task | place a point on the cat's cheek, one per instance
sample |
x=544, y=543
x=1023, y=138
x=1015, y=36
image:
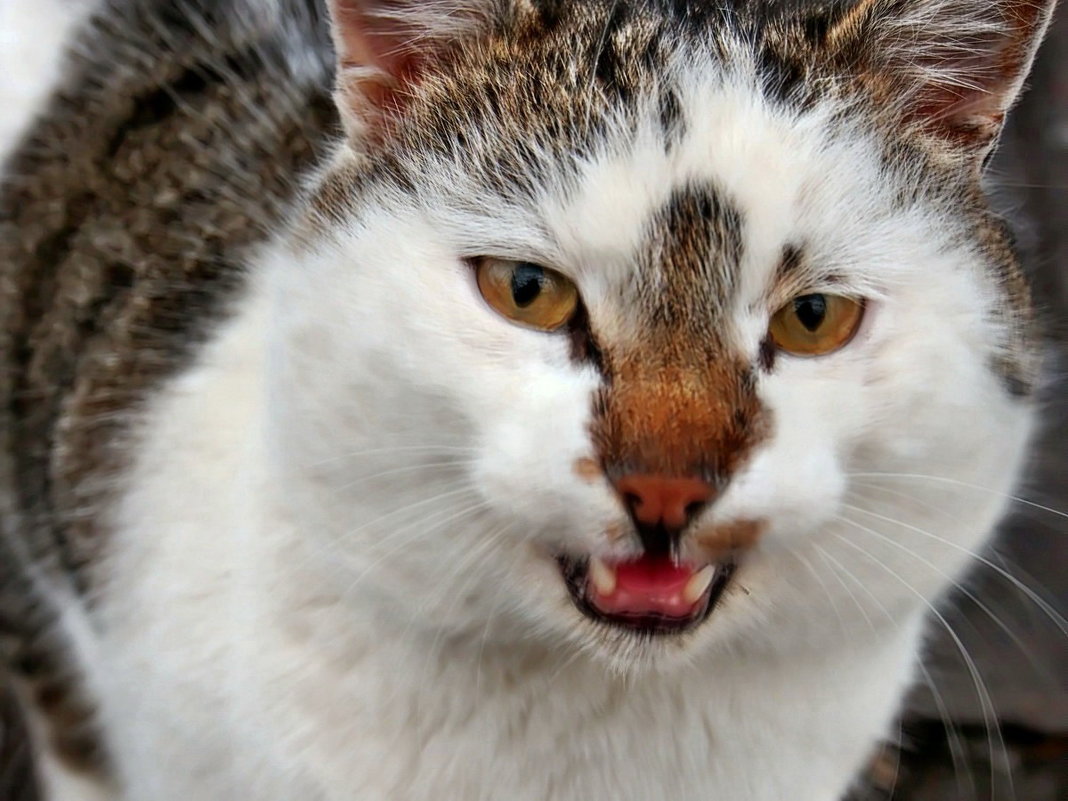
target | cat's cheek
x=793, y=486
x=528, y=466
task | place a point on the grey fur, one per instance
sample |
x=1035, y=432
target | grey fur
x=16, y=777
x=173, y=146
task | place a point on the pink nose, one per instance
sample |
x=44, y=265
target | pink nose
x=659, y=500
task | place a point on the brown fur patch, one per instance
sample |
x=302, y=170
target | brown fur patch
x=678, y=401
x=588, y=470
x=666, y=414
x=740, y=535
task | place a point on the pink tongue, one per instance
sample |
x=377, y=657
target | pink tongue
x=649, y=585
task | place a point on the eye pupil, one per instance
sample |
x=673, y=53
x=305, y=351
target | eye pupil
x=811, y=311
x=527, y=282
x=526, y=293
x=816, y=324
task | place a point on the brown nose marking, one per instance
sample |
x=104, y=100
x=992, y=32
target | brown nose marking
x=679, y=397
x=587, y=469
x=662, y=500
x=725, y=538
x=672, y=420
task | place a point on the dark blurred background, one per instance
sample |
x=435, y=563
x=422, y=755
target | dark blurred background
x=1023, y=659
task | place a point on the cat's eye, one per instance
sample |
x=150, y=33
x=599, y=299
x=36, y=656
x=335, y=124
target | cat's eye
x=817, y=324
x=526, y=293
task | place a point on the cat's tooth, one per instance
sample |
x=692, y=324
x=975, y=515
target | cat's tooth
x=698, y=584
x=602, y=576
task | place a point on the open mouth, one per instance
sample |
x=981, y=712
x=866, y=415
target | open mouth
x=647, y=595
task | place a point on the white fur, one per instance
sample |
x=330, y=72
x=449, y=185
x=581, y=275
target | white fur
x=33, y=34
x=331, y=574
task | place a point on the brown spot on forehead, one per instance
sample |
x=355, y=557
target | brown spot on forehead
x=689, y=262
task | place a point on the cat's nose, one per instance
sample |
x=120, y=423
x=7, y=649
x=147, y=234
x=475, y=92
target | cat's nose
x=662, y=506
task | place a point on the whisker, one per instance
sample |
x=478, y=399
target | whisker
x=956, y=745
x=957, y=751
x=985, y=699
x=463, y=490
x=826, y=590
x=1009, y=568
x=962, y=589
x=965, y=485
x=393, y=449
x=482, y=551
x=870, y=485
x=575, y=655
x=958, y=586
x=864, y=612
x=421, y=610
x=1054, y=616
x=412, y=468
x=419, y=528
x=395, y=534
x=497, y=603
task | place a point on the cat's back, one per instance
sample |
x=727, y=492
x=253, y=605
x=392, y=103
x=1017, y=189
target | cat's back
x=171, y=146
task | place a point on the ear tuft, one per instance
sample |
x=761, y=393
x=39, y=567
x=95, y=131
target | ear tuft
x=384, y=47
x=948, y=69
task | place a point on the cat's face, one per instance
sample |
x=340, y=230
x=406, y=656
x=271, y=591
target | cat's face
x=614, y=346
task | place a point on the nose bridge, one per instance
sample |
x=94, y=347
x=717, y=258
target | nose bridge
x=678, y=419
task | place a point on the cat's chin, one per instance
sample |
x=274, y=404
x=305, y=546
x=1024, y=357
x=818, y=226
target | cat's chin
x=648, y=596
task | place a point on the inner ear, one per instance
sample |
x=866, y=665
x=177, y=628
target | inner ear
x=948, y=69
x=376, y=36
x=385, y=47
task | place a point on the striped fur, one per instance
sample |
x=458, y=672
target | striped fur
x=124, y=215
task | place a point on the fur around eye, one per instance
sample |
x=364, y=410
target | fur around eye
x=816, y=324
x=526, y=293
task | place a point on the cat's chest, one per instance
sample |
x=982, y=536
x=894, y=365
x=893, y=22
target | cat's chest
x=523, y=747
x=310, y=698
x=579, y=737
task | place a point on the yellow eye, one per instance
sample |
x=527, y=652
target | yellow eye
x=814, y=325
x=525, y=293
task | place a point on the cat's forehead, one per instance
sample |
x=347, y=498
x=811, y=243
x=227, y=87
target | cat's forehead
x=704, y=232
x=559, y=79
x=634, y=136
x=739, y=185
x=639, y=148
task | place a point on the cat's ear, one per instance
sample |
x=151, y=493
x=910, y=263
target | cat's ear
x=949, y=69
x=385, y=46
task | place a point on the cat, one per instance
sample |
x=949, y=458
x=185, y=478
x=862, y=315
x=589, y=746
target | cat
x=532, y=407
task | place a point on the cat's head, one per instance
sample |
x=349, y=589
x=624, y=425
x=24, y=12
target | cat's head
x=634, y=325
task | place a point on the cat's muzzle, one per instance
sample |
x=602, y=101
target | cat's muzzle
x=653, y=594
